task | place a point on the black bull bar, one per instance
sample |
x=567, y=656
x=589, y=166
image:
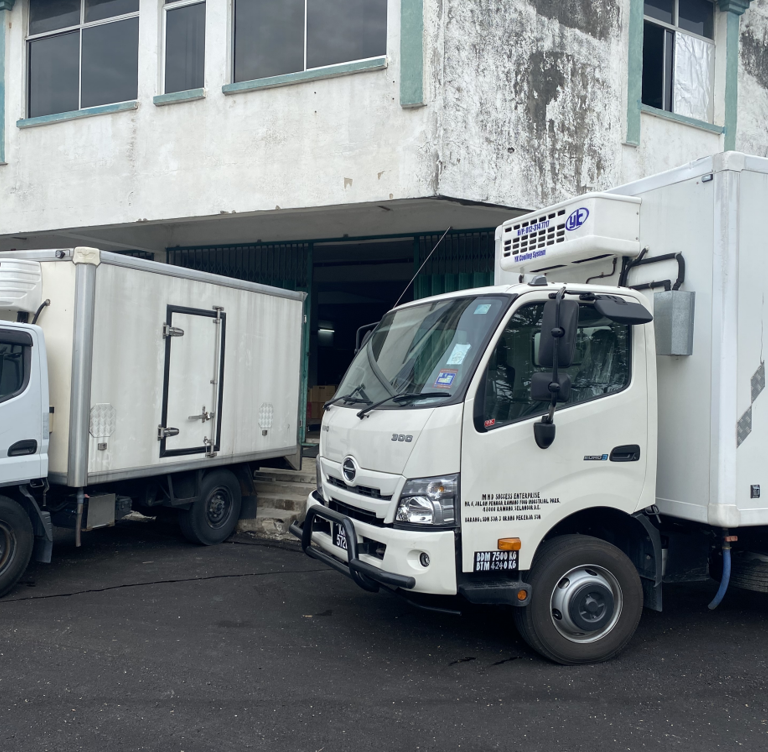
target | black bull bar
x=365, y=575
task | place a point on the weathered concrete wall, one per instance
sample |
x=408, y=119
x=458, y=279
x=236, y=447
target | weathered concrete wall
x=752, y=131
x=337, y=141
x=532, y=99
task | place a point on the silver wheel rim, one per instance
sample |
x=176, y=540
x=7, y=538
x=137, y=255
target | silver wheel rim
x=586, y=583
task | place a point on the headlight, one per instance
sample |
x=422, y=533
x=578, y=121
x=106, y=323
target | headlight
x=429, y=501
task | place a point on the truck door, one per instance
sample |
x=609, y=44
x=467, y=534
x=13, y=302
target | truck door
x=192, y=387
x=512, y=488
x=22, y=447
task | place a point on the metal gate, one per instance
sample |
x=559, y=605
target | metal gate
x=464, y=259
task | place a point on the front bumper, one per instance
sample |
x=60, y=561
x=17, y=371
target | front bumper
x=400, y=566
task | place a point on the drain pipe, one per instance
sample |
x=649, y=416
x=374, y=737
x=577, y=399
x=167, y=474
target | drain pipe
x=727, y=540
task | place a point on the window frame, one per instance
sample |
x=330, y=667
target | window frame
x=480, y=393
x=174, y=5
x=233, y=47
x=675, y=28
x=80, y=27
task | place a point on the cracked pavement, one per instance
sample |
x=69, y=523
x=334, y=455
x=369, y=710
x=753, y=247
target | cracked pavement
x=140, y=641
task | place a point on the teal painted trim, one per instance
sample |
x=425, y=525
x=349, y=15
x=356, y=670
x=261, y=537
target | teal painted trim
x=635, y=71
x=684, y=119
x=411, y=53
x=731, y=81
x=190, y=95
x=736, y=7
x=6, y=5
x=316, y=74
x=3, y=26
x=60, y=117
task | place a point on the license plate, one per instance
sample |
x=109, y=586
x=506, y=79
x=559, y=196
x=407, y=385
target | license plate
x=496, y=561
x=339, y=536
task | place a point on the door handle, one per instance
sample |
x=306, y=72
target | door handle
x=22, y=448
x=625, y=453
x=164, y=433
x=203, y=416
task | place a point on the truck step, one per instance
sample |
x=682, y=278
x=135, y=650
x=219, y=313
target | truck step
x=271, y=523
x=494, y=591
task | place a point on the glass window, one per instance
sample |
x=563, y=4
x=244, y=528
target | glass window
x=342, y=30
x=269, y=38
x=678, y=57
x=184, y=47
x=95, y=63
x=430, y=349
x=601, y=366
x=12, y=376
x=50, y=15
x=274, y=37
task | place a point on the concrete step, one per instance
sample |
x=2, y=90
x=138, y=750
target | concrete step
x=291, y=502
x=292, y=489
x=275, y=475
x=271, y=523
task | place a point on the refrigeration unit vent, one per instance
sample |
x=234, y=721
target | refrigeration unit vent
x=21, y=285
x=573, y=232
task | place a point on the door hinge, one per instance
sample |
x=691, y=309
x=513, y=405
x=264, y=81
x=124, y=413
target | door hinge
x=218, y=309
x=210, y=449
x=172, y=331
x=164, y=433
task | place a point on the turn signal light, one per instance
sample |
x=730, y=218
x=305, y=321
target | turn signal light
x=509, y=544
x=521, y=595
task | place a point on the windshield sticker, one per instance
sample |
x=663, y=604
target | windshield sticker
x=458, y=355
x=445, y=378
x=482, y=309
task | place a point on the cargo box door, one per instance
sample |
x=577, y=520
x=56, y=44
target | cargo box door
x=192, y=389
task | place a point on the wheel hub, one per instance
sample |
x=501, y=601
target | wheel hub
x=586, y=604
x=218, y=508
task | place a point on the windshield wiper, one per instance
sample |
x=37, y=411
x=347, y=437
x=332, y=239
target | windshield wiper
x=403, y=397
x=350, y=397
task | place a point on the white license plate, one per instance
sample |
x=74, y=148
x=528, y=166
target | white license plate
x=339, y=536
x=496, y=561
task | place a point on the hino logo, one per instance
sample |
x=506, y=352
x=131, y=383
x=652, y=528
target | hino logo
x=349, y=469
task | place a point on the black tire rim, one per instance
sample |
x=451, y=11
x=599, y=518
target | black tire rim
x=586, y=603
x=7, y=546
x=218, y=507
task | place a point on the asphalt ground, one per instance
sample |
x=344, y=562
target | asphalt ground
x=140, y=641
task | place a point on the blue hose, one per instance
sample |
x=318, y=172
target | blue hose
x=726, y=577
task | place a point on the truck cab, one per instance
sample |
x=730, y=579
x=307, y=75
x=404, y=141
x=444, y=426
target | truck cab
x=455, y=453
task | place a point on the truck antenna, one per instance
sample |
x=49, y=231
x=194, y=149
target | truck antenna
x=421, y=267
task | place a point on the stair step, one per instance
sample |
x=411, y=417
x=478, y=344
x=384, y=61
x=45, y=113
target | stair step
x=271, y=523
x=281, y=501
x=273, y=476
x=285, y=489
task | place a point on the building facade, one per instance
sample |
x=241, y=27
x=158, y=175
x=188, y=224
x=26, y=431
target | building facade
x=326, y=145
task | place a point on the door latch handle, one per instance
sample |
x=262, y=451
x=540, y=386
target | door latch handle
x=203, y=416
x=164, y=433
x=625, y=453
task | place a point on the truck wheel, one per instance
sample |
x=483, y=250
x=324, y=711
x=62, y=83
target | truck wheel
x=213, y=517
x=586, y=604
x=16, y=543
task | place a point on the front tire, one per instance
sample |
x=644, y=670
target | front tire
x=213, y=517
x=586, y=604
x=16, y=543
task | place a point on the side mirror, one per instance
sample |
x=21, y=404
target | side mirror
x=566, y=349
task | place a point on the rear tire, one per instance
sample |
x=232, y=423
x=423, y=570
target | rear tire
x=586, y=603
x=213, y=517
x=16, y=543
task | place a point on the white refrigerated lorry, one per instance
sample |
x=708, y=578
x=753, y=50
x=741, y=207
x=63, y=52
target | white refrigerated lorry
x=542, y=444
x=128, y=383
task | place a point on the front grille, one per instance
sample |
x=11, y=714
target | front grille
x=371, y=493
x=356, y=514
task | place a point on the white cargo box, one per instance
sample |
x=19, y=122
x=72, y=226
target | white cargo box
x=701, y=228
x=156, y=368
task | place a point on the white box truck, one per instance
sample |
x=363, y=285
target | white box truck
x=126, y=383
x=542, y=444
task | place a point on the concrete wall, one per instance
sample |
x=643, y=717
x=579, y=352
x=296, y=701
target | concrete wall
x=526, y=104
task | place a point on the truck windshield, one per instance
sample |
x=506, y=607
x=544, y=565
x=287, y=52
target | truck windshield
x=430, y=348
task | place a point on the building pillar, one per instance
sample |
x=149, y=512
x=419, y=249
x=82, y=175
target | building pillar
x=6, y=6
